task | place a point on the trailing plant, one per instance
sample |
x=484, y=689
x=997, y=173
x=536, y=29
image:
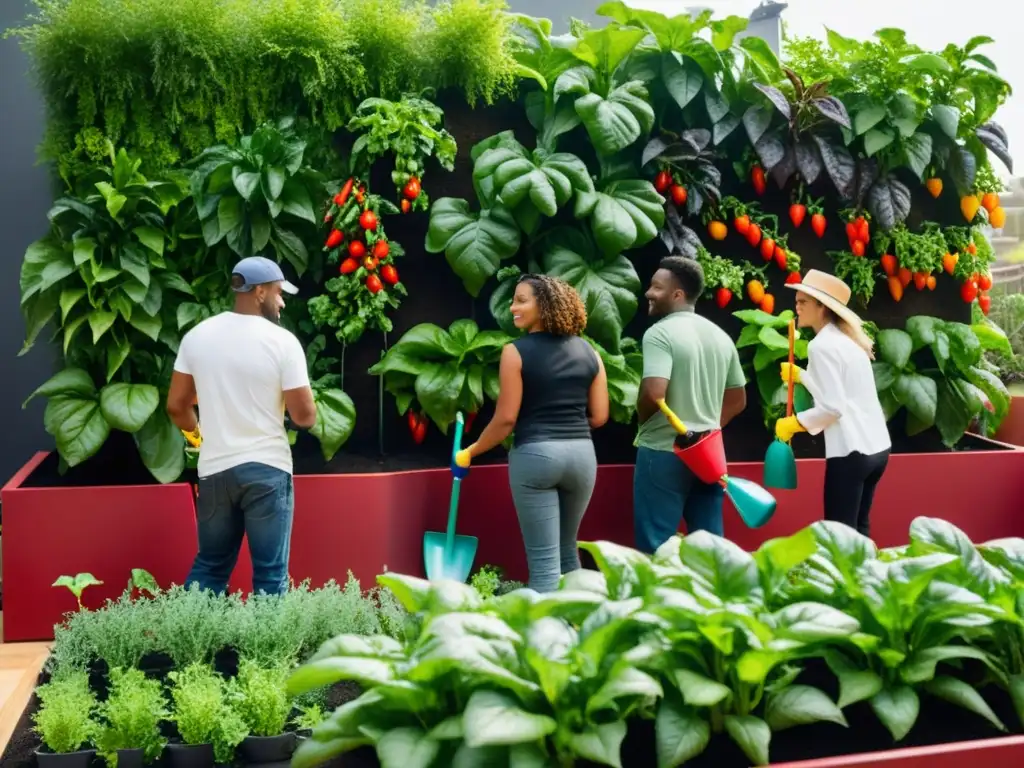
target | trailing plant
x=203, y=713
x=411, y=130
x=130, y=717
x=443, y=371
x=64, y=720
x=933, y=369
x=766, y=336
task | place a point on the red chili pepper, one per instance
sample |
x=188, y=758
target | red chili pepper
x=342, y=197
x=334, y=239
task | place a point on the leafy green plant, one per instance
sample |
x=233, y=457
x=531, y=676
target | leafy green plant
x=202, y=711
x=486, y=581
x=77, y=584
x=120, y=631
x=411, y=130
x=767, y=337
x=130, y=717
x=192, y=624
x=444, y=371
x=254, y=196
x=258, y=695
x=933, y=370
x=624, y=372
x=64, y=720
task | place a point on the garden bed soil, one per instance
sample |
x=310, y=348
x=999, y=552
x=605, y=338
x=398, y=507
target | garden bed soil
x=939, y=723
x=118, y=462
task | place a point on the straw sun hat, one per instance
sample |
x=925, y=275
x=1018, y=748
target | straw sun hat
x=830, y=291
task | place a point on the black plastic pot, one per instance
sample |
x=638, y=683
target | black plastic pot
x=259, y=750
x=80, y=759
x=130, y=758
x=190, y=756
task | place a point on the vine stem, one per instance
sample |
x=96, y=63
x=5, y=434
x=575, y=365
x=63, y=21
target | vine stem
x=380, y=401
x=344, y=346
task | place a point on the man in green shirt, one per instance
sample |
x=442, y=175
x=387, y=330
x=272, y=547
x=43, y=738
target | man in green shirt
x=693, y=364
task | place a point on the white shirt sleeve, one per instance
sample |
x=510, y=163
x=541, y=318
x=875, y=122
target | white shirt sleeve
x=181, y=364
x=294, y=373
x=824, y=381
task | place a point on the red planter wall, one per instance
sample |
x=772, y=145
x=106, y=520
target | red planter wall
x=369, y=523
x=995, y=753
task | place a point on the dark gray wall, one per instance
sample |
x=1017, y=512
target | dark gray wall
x=25, y=196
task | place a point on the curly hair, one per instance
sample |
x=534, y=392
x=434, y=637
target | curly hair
x=561, y=309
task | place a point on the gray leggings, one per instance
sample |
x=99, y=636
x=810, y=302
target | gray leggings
x=551, y=483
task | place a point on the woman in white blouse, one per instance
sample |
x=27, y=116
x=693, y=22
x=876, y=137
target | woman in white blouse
x=846, y=406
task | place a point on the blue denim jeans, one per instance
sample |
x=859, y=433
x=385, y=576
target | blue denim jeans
x=252, y=500
x=665, y=492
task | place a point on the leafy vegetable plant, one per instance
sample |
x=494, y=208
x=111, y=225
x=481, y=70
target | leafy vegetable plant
x=130, y=717
x=203, y=713
x=64, y=720
x=445, y=371
x=258, y=695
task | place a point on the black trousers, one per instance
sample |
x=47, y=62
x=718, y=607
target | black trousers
x=850, y=483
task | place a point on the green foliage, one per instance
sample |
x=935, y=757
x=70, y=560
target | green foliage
x=203, y=713
x=935, y=370
x=130, y=717
x=242, y=194
x=64, y=720
x=444, y=371
x=766, y=341
x=171, y=79
x=258, y=695
x=704, y=638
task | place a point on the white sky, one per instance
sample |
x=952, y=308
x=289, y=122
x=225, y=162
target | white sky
x=930, y=24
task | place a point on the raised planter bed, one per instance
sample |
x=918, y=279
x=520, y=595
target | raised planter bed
x=367, y=523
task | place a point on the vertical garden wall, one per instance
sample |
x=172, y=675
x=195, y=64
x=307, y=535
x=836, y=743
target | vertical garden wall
x=403, y=161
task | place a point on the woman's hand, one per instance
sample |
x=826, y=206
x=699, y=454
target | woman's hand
x=461, y=462
x=787, y=427
x=788, y=372
x=194, y=438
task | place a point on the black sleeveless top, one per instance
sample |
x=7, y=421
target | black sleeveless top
x=557, y=374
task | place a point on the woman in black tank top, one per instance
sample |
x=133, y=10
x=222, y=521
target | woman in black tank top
x=554, y=390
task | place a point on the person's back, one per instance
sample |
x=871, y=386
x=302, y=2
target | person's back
x=704, y=363
x=557, y=372
x=242, y=364
x=245, y=372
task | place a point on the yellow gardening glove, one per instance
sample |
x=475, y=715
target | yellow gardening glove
x=791, y=371
x=194, y=438
x=463, y=458
x=787, y=427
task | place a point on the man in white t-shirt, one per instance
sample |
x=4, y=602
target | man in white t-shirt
x=244, y=369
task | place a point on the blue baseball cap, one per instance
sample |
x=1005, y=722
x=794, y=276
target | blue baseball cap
x=258, y=270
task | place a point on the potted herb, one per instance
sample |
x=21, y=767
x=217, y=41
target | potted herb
x=209, y=727
x=129, y=720
x=259, y=696
x=65, y=723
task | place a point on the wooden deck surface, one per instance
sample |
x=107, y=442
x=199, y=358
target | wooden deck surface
x=19, y=669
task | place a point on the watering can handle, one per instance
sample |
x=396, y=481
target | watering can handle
x=457, y=442
x=674, y=420
x=792, y=346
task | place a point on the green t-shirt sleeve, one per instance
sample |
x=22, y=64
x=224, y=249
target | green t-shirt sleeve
x=735, y=376
x=657, y=355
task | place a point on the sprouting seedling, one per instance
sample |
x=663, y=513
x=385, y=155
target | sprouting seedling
x=143, y=581
x=77, y=584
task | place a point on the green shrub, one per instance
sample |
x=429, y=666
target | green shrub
x=64, y=721
x=258, y=695
x=130, y=717
x=191, y=625
x=203, y=713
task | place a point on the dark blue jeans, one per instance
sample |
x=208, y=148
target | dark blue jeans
x=665, y=492
x=252, y=500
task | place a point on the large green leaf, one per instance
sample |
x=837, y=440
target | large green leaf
x=616, y=122
x=493, y=718
x=531, y=185
x=681, y=734
x=919, y=394
x=128, y=406
x=77, y=425
x=161, y=447
x=473, y=243
x=895, y=347
x=335, y=420
x=898, y=709
x=608, y=286
x=407, y=748
x=751, y=734
x=725, y=567
x=623, y=214
x=801, y=705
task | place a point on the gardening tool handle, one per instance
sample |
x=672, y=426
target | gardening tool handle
x=674, y=420
x=792, y=347
x=449, y=541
